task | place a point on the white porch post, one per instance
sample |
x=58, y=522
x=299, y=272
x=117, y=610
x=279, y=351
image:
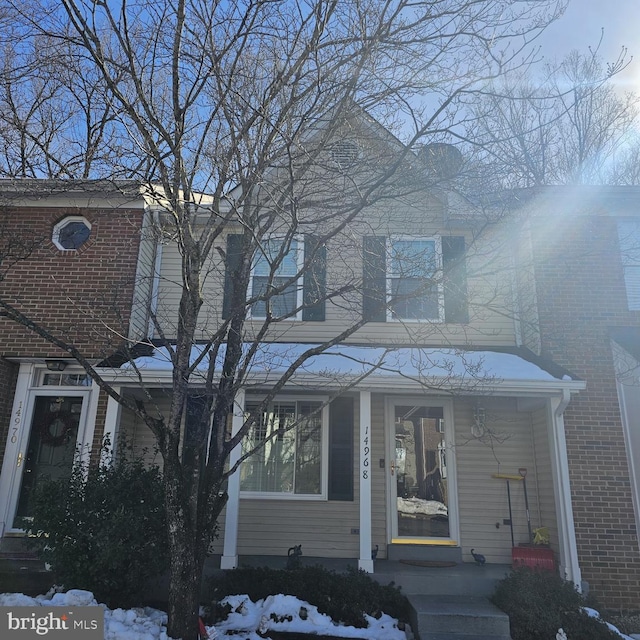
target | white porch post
x=17, y=441
x=111, y=424
x=569, y=567
x=229, y=558
x=365, y=562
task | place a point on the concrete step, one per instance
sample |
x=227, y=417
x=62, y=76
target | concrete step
x=457, y=618
x=16, y=545
x=461, y=579
x=21, y=571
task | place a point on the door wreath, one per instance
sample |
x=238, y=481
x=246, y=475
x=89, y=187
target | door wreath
x=50, y=432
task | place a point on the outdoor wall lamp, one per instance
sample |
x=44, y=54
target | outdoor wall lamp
x=56, y=365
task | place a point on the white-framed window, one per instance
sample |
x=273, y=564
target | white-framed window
x=629, y=239
x=271, y=270
x=414, y=282
x=70, y=233
x=47, y=378
x=290, y=459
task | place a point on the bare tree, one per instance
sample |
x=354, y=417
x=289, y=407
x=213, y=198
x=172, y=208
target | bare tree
x=247, y=102
x=564, y=126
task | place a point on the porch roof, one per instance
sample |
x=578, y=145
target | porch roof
x=368, y=367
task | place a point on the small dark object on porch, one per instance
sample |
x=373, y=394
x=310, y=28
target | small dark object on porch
x=374, y=553
x=478, y=557
x=293, y=557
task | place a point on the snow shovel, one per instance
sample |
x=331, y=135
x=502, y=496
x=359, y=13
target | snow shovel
x=507, y=477
x=523, y=474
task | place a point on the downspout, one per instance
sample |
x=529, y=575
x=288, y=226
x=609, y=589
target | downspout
x=517, y=307
x=569, y=566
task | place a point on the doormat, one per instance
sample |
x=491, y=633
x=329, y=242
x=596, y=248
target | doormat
x=430, y=563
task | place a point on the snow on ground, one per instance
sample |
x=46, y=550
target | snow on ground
x=277, y=613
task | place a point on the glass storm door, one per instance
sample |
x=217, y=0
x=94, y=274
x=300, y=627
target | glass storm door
x=51, y=447
x=419, y=472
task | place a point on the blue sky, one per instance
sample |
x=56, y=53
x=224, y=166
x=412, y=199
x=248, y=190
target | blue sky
x=581, y=25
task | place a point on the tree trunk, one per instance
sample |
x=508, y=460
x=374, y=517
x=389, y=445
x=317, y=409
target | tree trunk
x=185, y=578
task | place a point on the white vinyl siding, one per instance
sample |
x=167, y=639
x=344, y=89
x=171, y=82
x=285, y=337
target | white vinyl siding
x=483, y=502
x=145, y=281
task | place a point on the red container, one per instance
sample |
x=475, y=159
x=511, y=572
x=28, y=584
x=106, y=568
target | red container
x=533, y=557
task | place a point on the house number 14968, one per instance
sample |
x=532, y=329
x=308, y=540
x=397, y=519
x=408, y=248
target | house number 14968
x=365, y=454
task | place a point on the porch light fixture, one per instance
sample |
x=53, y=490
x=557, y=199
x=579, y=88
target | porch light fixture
x=56, y=365
x=479, y=425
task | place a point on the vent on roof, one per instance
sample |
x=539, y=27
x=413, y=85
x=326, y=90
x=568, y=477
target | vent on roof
x=344, y=153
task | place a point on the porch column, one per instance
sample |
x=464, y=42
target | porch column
x=569, y=567
x=365, y=562
x=229, y=558
x=111, y=424
x=17, y=442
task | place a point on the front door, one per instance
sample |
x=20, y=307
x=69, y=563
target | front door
x=50, y=449
x=51, y=424
x=422, y=485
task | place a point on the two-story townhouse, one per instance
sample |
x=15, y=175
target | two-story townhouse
x=584, y=245
x=440, y=396
x=70, y=260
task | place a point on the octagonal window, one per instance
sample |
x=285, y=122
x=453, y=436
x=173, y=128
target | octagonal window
x=71, y=233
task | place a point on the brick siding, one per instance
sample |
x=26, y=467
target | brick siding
x=83, y=297
x=581, y=294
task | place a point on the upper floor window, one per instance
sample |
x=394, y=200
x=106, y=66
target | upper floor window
x=414, y=280
x=629, y=238
x=302, y=299
x=288, y=439
x=71, y=233
x=274, y=267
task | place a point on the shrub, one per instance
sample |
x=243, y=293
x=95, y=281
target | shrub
x=103, y=529
x=344, y=597
x=539, y=603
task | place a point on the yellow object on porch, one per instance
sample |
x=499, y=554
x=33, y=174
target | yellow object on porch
x=541, y=536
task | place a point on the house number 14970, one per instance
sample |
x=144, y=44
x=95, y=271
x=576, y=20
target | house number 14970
x=16, y=424
x=365, y=454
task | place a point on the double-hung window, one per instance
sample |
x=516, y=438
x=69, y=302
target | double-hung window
x=289, y=444
x=275, y=265
x=414, y=282
x=629, y=238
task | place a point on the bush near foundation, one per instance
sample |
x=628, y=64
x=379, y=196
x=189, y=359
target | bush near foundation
x=103, y=529
x=345, y=597
x=539, y=603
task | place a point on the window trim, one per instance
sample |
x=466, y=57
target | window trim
x=324, y=462
x=389, y=275
x=61, y=224
x=299, y=283
x=628, y=236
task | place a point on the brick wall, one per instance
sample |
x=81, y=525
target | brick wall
x=581, y=294
x=82, y=297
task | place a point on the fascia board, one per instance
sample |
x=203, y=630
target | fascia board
x=372, y=383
